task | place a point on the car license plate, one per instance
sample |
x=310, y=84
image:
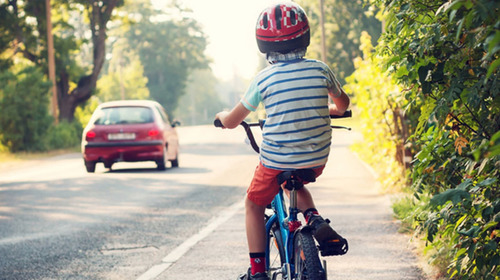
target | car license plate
x=121, y=136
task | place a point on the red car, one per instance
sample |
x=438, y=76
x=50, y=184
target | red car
x=130, y=130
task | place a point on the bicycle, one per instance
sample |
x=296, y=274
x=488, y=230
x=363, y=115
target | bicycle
x=291, y=251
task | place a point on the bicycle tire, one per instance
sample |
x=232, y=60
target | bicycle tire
x=306, y=259
x=276, y=252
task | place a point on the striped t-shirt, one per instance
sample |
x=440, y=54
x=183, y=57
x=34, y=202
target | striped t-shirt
x=297, y=131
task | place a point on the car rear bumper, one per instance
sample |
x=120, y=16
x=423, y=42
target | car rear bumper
x=123, y=151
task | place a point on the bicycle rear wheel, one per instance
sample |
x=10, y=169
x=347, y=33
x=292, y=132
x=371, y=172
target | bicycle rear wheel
x=306, y=259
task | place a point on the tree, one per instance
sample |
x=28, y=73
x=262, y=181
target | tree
x=24, y=32
x=344, y=22
x=201, y=102
x=125, y=76
x=169, y=48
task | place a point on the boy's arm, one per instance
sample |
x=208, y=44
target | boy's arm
x=340, y=103
x=337, y=94
x=233, y=118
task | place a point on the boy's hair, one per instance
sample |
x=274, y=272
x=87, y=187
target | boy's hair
x=282, y=28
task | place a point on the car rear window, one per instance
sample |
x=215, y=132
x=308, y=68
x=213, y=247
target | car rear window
x=124, y=115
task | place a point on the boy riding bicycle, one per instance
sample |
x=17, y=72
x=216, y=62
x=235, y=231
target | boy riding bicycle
x=296, y=135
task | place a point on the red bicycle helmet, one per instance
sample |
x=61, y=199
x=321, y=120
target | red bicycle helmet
x=282, y=28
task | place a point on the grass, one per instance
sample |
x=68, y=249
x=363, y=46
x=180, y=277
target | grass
x=7, y=158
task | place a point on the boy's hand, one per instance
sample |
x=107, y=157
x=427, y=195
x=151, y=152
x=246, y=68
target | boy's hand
x=334, y=111
x=340, y=104
x=221, y=115
x=233, y=118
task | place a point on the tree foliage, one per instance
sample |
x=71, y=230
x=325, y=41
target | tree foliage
x=24, y=105
x=344, y=22
x=152, y=53
x=445, y=56
x=124, y=78
x=201, y=101
x=169, y=50
x=377, y=99
x=24, y=31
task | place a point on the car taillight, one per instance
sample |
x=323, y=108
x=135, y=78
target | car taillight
x=90, y=135
x=153, y=132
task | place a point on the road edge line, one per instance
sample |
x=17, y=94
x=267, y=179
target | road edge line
x=182, y=249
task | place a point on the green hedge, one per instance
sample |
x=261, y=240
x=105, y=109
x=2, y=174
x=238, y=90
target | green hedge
x=25, y=123
x=445, y=56
x=24, y=104
x=63, y=135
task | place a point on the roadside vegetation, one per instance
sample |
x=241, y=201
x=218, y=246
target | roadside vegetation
x=430, y=89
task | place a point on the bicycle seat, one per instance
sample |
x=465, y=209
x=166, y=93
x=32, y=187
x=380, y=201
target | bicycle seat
x=295, y=179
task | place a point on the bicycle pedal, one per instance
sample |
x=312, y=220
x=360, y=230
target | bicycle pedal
x=334, y=248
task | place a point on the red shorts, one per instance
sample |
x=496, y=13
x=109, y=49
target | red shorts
x=264, y=185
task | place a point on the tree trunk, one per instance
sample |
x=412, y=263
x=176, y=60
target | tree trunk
x=99, y=13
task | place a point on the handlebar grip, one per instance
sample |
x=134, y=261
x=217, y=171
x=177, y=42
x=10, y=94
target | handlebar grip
x=218, y=123
x=347, y=114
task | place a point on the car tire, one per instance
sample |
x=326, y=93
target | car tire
x=175, y=162
x=161, y=163
x=108, y=164
x=90, y=166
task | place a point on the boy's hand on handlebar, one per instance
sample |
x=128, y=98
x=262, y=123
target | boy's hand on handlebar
x=346, y=114
x=234, y=117
x=218, y=117
x=334, y=110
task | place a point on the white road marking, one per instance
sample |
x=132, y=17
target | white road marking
x=182, y=249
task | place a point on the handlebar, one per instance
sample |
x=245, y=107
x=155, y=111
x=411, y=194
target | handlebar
x=246, y=126
x=218, y=123
x=347, y=114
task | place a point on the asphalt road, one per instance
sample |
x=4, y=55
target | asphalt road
x=134, y=222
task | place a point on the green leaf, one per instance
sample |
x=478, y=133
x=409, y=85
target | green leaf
x=495, y=260
x=464, y=185
x=487, y=182
x=494, y=151
x=459, y=30
x=443, y=8
x=402, y=71
x=468, y=4
x=491, y=246
x=461, y=252
x=494, y=65
x=472, y=232
x=496, y=218
x=453, y=195
x=493, y=41
x=496, y=137
x=455, y=5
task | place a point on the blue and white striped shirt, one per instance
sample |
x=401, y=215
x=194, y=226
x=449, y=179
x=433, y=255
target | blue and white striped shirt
x=297, y=131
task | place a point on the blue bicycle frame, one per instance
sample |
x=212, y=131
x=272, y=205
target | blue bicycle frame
x=288, y=225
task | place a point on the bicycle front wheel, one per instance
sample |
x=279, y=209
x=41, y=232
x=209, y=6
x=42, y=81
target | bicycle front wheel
x=306, y=258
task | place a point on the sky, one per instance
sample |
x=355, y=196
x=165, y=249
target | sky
x=230, y=28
